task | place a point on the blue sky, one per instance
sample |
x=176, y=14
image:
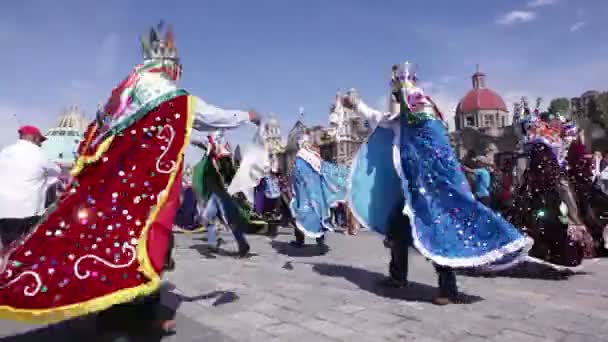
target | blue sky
x=278, y=55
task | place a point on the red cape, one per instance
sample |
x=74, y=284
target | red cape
x=107, y=240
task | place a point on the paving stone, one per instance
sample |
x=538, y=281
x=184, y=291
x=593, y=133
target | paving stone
x=255, y=319
x=582, y=338
x=511, y=336
x=335, y=297
x=349, y=308
x=326, y=328
x=378, y=317
x=286, y=330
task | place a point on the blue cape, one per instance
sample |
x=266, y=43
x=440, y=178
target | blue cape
x=449, y=226
x=316, y=189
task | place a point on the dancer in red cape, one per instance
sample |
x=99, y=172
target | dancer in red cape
x=108, y=238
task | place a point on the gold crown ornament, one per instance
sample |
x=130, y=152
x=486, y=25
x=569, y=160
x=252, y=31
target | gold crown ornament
x=155, y=48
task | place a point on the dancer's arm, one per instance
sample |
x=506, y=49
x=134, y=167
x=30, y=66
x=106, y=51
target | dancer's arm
x=52, y=171
x=209, y=117
x=468, y=169
x=374, y=117
x=199, y=144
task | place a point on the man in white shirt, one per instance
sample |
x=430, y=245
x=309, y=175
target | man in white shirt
x=25, y=175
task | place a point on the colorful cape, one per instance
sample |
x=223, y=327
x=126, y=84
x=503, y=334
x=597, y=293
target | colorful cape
x=199, y=174
x=107, y=240
x=449, y=226
x=206, y=181
x=318, y=186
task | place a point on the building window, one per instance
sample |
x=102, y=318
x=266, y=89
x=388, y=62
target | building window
x=488, y=120
x=469, y=121
x=504, y=121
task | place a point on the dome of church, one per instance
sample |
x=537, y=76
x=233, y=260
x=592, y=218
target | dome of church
x=63, y=139
x=482, y=108
x=480, y=97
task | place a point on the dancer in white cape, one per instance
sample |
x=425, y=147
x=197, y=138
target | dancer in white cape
x=407, y=183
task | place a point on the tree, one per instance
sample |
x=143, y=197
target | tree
x=597, y=108
x=561, y=105
x=602, y=103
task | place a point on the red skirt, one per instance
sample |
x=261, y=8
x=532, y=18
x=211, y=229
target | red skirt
x=107, y=240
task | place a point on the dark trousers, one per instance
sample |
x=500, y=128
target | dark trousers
x=130, y=317
x=300, y=237
x=400, y=240
x=221, y=205
x=12, y=229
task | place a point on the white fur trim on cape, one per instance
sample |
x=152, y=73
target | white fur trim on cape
x=524, y=243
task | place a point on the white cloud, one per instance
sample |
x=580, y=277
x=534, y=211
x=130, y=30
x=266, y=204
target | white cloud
x=514, y=17
x=577, y=26
x=541, y=3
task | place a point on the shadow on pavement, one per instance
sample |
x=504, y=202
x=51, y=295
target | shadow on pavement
x=524, y=270
x=310, y=250
x=211, y=253
x=371, y=281
x=117, y=324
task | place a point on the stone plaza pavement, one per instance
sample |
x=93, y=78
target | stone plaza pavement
x=286, y=294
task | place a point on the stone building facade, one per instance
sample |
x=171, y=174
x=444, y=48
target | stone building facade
x=337, y=143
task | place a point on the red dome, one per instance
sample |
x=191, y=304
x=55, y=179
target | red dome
x=481, y=99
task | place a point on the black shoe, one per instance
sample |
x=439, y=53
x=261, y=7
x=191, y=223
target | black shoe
x=321, y=241
x=170, y=265
x=216, y=248
x=244, y=251
x=393, y=283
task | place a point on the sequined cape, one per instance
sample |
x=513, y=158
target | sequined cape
x=448, y=224
x=107, y=239
x=317, y=186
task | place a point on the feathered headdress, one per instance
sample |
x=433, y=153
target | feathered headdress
x=156, y=48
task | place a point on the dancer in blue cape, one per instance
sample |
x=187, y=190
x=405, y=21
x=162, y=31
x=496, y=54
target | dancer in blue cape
x=407, y=183
x=317, y=186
